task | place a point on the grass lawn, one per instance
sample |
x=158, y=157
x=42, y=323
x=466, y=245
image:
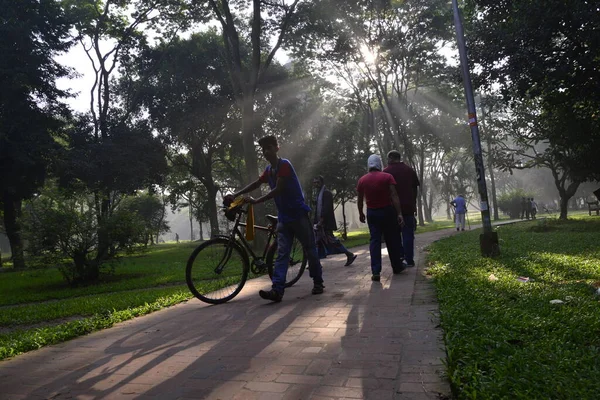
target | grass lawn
x=504, y=338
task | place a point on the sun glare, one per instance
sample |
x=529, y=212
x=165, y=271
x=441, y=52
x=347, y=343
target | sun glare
x=369, y=56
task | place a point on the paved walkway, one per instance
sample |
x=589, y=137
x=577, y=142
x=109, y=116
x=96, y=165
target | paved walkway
x=359, y=340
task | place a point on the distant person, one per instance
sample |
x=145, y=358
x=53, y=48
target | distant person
x=292, y=215
x=407, y=184
x=383, y=214
x=523, y=207
x=534, y=208
x=460, y=210
x=325, y=224
x=177, y=237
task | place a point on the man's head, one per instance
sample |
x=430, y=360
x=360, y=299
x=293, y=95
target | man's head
x=270, y=147
x=393, y=157
x=318, y=182
x=374, y=163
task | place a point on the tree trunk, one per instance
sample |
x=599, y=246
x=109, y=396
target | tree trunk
x=201, y=233
x=12, y=213
x=564, y=206
x=192, y=224
x=249, y=126
x=492, y=180
x=430, y=207
x=212, y=210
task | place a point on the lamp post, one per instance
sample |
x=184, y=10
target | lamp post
x=488, y=240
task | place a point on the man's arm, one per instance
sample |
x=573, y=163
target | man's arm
x=253, y=186
x=360, y=203
x=278, y=189
x=396, y=203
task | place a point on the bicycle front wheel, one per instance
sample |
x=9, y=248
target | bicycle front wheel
x=217, y=270
x=297, y=262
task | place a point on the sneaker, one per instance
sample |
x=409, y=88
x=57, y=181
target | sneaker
x=318, y=288
x=270, y=295
x=350, y=260
x=408, y=265
x=375, y=278
x=399, y=269
x=458, y=229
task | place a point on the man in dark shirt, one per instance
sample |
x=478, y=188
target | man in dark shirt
x=407, y=184
x=292, y=214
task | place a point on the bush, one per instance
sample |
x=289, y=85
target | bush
x=59, y=227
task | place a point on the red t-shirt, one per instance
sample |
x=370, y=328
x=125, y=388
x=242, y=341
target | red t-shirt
x=376, y=188
x=406, y=185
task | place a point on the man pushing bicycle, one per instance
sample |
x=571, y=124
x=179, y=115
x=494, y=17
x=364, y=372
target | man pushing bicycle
x=292, y=215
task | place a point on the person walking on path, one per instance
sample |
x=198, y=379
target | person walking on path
x=325, y=224
x=383, y=214
x=407, y=183
x=460, y=209
x=293, y=219
x=534, y=208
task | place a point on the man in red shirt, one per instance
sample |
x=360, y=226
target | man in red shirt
x=407, y=183
x=384, y=215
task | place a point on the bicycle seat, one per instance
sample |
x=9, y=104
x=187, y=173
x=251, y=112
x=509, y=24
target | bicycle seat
x=272, y=219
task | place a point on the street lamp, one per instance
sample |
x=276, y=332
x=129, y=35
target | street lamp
x=488, y=240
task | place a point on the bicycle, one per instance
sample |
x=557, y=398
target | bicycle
x=217, y=270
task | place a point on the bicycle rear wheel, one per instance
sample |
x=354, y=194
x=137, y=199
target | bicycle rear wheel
x=217, y=270
x=297, y=263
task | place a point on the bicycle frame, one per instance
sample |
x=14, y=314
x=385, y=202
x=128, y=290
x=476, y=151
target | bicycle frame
x=242, y=239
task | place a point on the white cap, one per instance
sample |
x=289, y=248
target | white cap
x=374, y=161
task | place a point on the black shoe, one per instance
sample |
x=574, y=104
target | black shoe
x=318, y=288
x=375, y=278
x=399, y=269
x=271, y=295
x=407, y=265
x=350, y=260
x=458, y=229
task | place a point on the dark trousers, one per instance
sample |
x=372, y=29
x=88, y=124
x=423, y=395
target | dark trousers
x=408, y=238
x=384, y=222
x=302, y=229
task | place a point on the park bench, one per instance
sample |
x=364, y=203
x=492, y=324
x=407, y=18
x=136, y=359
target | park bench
x=594, y=205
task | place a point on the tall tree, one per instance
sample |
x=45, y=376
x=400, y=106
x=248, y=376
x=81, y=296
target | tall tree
x=190, y=110
x=249, y=31
x=32, y=34
x=110, y=32
x=547, y=53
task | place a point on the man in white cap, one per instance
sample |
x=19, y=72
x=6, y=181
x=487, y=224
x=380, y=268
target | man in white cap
x=383, y=214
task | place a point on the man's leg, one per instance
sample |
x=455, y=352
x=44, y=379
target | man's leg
x=301, y=228
x=339, y=248
x=285, y=238
x=408, y=239
x=393, y=239
x=375, y=221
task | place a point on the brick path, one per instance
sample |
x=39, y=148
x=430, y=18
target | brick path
x=359, y=340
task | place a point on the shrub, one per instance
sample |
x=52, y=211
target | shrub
x=59, y=227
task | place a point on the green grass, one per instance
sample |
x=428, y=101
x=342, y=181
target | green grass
x=504, y=338
x=163, y=264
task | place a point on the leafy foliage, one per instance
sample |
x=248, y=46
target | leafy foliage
x=59, y=226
